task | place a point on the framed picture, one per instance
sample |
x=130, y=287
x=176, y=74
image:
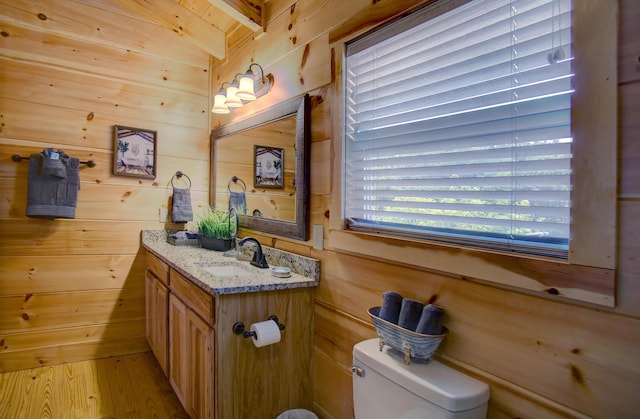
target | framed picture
x=268, y=164
x=134, y=152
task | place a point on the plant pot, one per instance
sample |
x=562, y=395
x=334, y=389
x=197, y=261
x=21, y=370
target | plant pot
x=213, y=243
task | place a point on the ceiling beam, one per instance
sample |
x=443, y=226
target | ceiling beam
x=183, y=22
x=249, y=13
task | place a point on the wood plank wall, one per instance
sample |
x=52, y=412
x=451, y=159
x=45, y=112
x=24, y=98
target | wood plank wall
x=542, y=358
x=70, y=70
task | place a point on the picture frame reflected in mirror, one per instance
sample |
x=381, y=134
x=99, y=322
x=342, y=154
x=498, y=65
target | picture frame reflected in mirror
x=268, y=165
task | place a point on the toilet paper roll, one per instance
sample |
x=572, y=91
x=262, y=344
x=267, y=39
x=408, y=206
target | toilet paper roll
x=267, y=333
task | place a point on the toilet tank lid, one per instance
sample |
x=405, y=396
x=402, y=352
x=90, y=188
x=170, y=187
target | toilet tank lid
x=432, y=381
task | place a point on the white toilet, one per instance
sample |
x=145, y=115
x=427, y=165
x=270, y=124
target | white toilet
x=297, y=414
x=385, y=387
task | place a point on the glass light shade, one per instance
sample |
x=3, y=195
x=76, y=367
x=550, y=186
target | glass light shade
x=218, y=104
x=233, y=101
x=246, y=90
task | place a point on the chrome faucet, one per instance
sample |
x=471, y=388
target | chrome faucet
x=258, y=257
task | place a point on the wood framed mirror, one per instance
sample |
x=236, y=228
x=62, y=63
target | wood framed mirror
x=283, y=211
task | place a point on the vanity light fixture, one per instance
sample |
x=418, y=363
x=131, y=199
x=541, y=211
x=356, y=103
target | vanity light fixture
x=219, y=101
x=233, y=101
x=244, y=88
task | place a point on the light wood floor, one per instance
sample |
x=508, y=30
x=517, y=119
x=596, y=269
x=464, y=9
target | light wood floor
x=131, y=386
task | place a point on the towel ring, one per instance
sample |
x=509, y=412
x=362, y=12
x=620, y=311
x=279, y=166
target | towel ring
x=178, y=175
x=235, y=180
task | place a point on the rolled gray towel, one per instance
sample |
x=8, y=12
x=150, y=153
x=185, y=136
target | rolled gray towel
x=181, y=211
x=410, y=312
x=430, y=320
x=390, y=309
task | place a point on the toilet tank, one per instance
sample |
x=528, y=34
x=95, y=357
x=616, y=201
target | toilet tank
x=385, y=387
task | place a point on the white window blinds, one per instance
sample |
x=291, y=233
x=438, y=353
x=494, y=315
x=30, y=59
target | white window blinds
x=458, y=126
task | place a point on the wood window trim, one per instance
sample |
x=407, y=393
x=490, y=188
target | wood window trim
x=589, y=274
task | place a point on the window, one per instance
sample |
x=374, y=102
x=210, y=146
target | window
x=588, y=272
x=458, y=126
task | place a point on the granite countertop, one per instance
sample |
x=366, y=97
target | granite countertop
x=191, y=262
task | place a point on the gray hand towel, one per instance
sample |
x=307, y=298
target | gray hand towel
x=410, y=312
x=390, y=309
x=181, y=211
x=53, y=184
x=430, y=320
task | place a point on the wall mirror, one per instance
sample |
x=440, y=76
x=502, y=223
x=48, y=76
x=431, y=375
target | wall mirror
x=260, y=166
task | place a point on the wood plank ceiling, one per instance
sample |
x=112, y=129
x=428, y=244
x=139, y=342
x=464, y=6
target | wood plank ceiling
x=216, y=26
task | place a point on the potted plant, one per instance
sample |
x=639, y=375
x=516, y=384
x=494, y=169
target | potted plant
x=215, y=229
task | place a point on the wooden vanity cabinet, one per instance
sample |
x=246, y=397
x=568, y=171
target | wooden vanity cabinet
x=156, y=307
x=217, y=374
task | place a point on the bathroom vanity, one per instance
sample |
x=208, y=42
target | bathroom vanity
x=195, y=296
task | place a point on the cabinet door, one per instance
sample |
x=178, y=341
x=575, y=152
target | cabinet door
x=162, y=325
x=191, y=359
x=157, y=300
x=149, y=296
x=201, y=379
x=178, y=349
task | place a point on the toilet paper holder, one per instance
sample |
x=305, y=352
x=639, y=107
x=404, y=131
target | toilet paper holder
x=239, y=328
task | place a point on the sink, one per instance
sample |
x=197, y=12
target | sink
x=227, y=269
